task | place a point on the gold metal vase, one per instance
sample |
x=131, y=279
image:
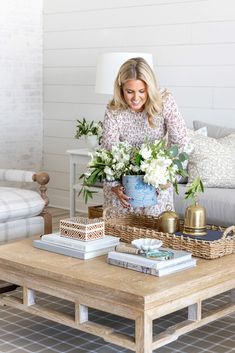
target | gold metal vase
x=195, y=220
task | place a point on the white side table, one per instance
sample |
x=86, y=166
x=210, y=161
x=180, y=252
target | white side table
x=76, y=158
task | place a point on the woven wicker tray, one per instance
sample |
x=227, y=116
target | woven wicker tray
x=131, y=226
x=95, y=211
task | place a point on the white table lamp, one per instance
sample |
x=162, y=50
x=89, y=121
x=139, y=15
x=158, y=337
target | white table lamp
x=108, y=66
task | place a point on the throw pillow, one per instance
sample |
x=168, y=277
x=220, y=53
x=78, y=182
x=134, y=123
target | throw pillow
x=215, y=131
x=213, y=160
x=202, y=131
x=228, y=141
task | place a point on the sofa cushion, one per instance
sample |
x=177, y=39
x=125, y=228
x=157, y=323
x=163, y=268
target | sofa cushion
x=21, y=228
x=16, y=203
x=215, y=131
x=213, y=160
x=191, y=133
x=219, y=204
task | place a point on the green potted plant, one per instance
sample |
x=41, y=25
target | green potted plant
x=90, y=130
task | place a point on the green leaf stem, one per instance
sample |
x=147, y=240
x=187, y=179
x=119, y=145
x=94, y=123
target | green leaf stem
x=194, y=189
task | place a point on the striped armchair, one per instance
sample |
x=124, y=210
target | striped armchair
x=23, y=212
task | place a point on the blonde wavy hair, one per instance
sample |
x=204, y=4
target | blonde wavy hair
x=137, y=69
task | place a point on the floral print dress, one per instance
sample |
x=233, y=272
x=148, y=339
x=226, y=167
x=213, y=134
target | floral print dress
x=133, y=127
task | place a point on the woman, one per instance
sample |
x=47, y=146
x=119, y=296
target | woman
x=139, y=110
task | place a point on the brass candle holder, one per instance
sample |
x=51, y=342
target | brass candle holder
x=195, y=220
x=168, y=221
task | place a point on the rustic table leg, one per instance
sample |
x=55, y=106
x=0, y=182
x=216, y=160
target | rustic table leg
x=195, y=311
x=28, y=296
x=81, y=313
x=144, y=334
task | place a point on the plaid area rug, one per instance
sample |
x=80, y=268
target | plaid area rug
x=21, y=332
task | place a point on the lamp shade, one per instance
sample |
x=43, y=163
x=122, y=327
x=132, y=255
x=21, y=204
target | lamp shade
x=108, y=65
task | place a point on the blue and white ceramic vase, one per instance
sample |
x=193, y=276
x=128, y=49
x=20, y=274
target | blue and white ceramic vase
x=141, y=194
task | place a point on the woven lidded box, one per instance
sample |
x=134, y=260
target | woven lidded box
x=82, y=228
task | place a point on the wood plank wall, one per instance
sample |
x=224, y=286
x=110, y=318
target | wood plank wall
x=193, y=44
x=21, y=84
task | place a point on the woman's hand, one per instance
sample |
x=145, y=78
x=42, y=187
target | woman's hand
x=119, y=191
x=164, y=186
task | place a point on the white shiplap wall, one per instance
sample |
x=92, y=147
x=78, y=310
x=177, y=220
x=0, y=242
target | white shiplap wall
x=21, y=84
x=193, y=44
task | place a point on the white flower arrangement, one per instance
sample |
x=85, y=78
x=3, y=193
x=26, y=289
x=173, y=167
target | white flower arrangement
x=158, y=164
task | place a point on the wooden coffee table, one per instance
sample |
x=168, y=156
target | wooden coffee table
x=133, y=295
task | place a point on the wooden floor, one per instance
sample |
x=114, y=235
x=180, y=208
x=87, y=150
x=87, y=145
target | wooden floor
x=57, y=215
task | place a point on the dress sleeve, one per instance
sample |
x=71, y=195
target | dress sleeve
x=110, y=135
x=175, y=124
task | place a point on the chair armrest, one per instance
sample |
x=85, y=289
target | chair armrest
x=42, y=178
x=16, y=175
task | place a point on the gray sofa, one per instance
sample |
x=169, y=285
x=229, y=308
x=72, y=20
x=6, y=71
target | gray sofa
x=219, y=204
x=218, y=200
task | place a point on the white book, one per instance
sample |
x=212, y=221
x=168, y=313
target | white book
x=152, y=271
x=63, y=250
x=89, y=245
x=179, y=256
x=178, y=267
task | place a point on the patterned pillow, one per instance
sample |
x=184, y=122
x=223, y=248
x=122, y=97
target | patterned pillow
x=213, y=160
x=228, y=141
x=201, y=131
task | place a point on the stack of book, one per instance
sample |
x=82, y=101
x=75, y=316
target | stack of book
x=80, y=249
x=79, y=237
x=180, y=260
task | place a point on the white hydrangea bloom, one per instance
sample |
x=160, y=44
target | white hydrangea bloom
x=156, y=173
x=109, y=173
x=145, y=152
x=119, y=166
